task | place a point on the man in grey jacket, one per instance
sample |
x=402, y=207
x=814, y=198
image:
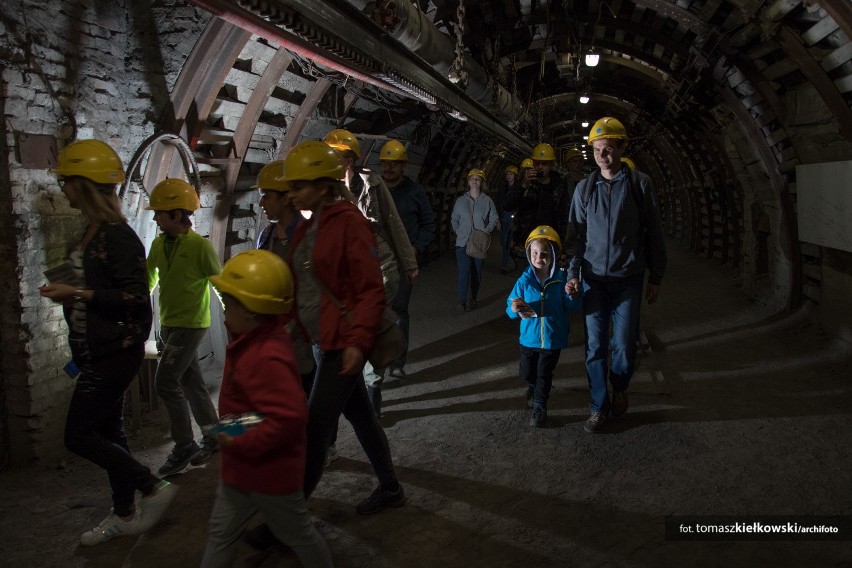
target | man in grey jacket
x=619, y=236
x=419, y=221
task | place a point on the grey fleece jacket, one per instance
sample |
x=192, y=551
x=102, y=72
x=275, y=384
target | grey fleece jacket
x=616, y=237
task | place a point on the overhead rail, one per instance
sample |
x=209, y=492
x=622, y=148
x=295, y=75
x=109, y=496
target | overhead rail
x=337, y=35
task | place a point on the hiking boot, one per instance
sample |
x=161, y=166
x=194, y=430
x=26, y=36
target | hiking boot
x=595, y=423
x=530, y=394
x=539, y=416
x=108, y=529
x=619, y=403
x=154, y=505
x=209, y=447
x=179, y=459
x=379, y=499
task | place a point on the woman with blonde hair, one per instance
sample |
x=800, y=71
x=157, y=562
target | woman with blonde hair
x=108, y=311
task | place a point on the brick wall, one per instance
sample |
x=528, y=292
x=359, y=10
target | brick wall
x=71, y=69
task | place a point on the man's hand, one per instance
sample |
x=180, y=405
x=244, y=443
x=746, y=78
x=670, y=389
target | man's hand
x=652, y=292
x=411, y=275
x=572, y=287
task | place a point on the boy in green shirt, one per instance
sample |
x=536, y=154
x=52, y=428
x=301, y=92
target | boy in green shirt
x=182, y=261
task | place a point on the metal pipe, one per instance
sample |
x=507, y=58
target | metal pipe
x=417, y=33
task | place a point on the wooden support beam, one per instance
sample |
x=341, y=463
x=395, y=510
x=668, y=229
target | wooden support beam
x=810, y=67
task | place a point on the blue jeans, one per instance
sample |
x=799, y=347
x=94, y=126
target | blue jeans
x=333, y=394
x=506, y=238
x=470, y=274
x=617, y=302
x=181, y=385
x=400, y=307
x=94, y=428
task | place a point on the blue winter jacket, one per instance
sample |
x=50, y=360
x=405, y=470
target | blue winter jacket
x=552, y=304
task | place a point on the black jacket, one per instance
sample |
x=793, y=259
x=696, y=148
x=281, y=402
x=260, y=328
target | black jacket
x=119, y=314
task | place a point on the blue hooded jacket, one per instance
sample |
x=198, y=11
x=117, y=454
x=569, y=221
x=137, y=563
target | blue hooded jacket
x=552, y=304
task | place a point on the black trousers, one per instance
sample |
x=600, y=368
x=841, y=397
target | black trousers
x=536, y=370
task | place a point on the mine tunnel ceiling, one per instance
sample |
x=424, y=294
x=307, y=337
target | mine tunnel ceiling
x=663, y=65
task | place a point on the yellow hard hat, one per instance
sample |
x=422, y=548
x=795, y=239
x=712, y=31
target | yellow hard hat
x=343, y=140
x=312, y=160
x=513, y=169
x=393, y=151
x=630, y=163
x=91, y=159
x=172, y=194
x=607, y=127
x=259, y=279
x=527, y=163
x=476, y=172
x=573, y=153
x=545, y=232
x=271, y=177
x=544, y=153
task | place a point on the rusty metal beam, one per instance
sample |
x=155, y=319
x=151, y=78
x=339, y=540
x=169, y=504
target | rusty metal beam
x=790, y=241
x=194, y=92
x=833, y=99
x=240, y=142
x=309, y=105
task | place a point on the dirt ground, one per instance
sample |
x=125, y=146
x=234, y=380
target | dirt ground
x=734, y=411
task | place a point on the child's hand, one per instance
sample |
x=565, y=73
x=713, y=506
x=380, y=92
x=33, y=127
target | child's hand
x=572, y=287
x=224, y=439
x=519, y=306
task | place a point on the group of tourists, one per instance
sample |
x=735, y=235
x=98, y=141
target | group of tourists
x=342, y=244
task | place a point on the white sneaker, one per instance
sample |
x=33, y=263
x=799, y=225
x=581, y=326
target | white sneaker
x=153, y=506
x=331, y=455
x=108, y=529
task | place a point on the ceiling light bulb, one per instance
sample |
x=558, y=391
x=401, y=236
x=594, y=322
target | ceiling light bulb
x=592, y=58
x=584, y=99
x=585, y=124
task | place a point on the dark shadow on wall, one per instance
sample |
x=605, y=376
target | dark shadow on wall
x=149, y=53
x=8, y=262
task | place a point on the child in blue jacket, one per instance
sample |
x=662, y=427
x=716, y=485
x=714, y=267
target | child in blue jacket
x=540, y=301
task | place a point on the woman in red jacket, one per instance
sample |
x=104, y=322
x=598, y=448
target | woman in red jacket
x=263, y=447
x=339, y=299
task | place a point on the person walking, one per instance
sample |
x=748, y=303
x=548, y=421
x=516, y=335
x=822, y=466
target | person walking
x=277, y=237
x=263, y=467
x=339, y=301
x=397, y=256
x=545, y=199
x=508, y=197
x=418, y=218
x=540, y=301
x=615, y=218
x=181, y=262
x=472, y=211
x=108, y=311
